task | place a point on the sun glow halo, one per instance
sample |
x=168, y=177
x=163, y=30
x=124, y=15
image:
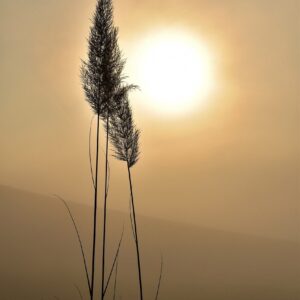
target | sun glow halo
x=174, y=71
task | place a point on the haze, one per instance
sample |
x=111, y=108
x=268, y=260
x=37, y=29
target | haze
x=231, y=165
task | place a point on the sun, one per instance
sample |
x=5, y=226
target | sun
x=174, y=71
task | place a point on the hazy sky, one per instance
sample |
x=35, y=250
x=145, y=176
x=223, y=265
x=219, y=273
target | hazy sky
x=234, y=164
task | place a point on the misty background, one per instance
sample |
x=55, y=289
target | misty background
x=233, y=165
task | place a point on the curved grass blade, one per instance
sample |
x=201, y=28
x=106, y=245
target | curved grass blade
x=160, y=277
x=114, y=262
x=78, y=237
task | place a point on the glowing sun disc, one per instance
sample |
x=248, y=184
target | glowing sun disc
x=174, y=71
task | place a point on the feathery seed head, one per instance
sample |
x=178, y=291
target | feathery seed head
x=101, y=74
x=123, y=133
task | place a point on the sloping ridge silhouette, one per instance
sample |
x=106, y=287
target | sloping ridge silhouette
x=40, y=257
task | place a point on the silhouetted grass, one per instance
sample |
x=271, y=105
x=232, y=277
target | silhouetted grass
x=160, y=277
x=103, y=85
x=83, y=253
x=125, y=138
x=79, y=240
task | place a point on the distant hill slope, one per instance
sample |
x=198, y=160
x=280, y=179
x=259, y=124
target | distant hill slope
x=40, y=257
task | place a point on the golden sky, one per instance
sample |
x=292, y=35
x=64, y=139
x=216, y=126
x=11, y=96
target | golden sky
x=233, y=164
